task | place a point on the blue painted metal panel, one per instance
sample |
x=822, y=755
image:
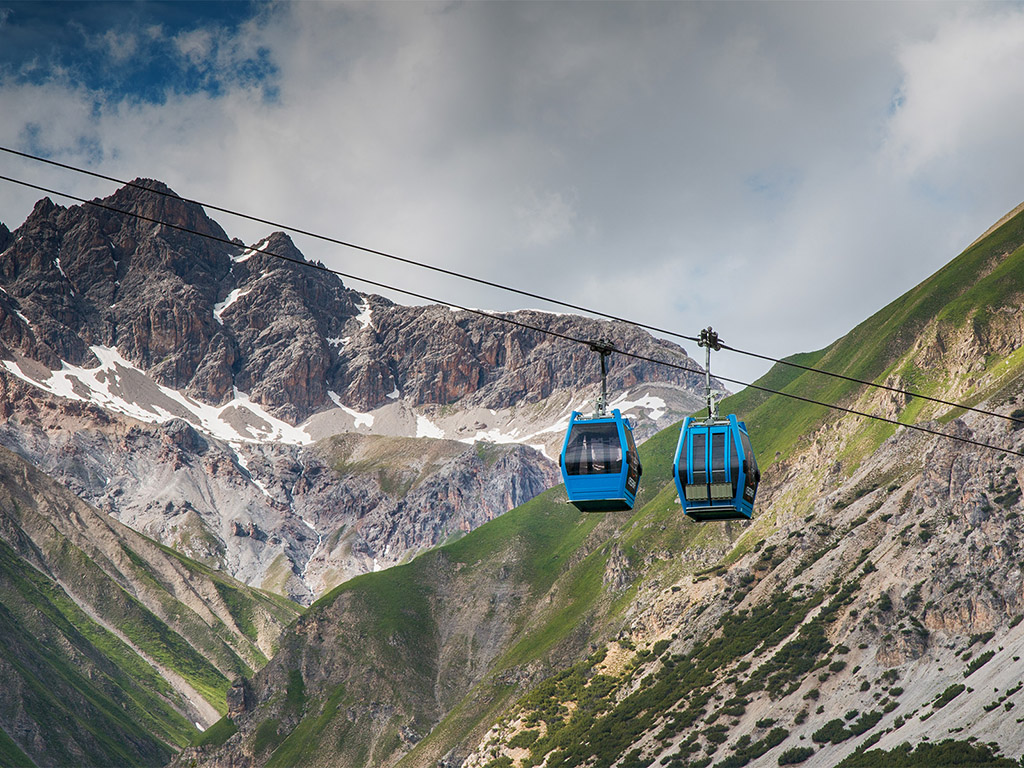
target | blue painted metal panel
x=599, y=462
x=718, y=481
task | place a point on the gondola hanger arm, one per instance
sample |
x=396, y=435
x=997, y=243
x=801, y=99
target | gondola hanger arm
x=604, y=349
x=709, y=340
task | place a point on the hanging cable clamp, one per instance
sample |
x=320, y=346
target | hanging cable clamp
x=604, y=349
x=709, y=340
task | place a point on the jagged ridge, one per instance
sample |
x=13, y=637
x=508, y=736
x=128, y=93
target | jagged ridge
x=206, y=318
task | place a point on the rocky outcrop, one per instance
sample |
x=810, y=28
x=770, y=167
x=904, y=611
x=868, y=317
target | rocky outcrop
x=207, y=316
x=294, y=519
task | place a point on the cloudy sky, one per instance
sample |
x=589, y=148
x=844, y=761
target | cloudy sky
x=777, y=170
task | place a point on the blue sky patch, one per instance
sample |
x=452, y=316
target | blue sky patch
x=140, y=51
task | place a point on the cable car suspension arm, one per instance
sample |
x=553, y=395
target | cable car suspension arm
x=709, y=340
x=604, y=349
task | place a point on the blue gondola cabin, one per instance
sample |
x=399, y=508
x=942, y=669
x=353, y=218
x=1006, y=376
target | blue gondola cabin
x=600, y=464
x=715, y=470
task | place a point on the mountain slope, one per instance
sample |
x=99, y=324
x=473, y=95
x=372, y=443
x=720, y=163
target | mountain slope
x=112, y=646
x=381, y=659
x=887, y=561
x=186, y=385
x=874, y=599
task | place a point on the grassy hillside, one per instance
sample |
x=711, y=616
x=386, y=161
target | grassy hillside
x=799, y=606
x=76, y=686
x=112, y=647
x=613, y=639
x=917, y=342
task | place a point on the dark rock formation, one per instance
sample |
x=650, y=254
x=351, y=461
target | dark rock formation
x=204, y=315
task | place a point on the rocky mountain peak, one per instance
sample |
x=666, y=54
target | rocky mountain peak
x=153, y=199
x=42, y=209
x=212, y=318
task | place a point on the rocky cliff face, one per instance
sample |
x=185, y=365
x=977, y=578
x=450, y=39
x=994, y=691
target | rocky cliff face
x=179, y=382
x=206, y=317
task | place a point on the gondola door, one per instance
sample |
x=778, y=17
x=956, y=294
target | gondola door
x=709, y=472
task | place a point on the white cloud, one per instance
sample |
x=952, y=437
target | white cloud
x=118, y=46
x=959, y=114
x=195, y=45
x=741, y=165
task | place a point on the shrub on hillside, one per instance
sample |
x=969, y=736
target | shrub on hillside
x=795, y=755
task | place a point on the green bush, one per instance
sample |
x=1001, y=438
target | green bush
x=524, y=739
x=865, y=723
x=978, y=662
x=833, y=731
x=948, y=695
x=795, y=755
x=716, y=734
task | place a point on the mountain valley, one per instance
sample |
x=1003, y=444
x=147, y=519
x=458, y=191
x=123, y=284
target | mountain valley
x=250, y=517
x=869, y=615
x=186, y=385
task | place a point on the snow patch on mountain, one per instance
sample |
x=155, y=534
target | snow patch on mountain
x=60, y=269
x=220, y=307
x=654, y=405
x=117, y=385
x=250, y=252
x=426, y=428
x=361, y=419
x=365, y=316
x=244, y=464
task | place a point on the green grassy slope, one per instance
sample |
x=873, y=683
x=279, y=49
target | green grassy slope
x=575, y=606
x=407, y=665
x=911, y=339
x=522, y=594
x=589, y=715
x=79, y=689
x=92, y=613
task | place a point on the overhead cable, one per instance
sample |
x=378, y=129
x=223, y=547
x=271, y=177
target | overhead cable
x=499, y=286
x=355, y=246
x=503, y=318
